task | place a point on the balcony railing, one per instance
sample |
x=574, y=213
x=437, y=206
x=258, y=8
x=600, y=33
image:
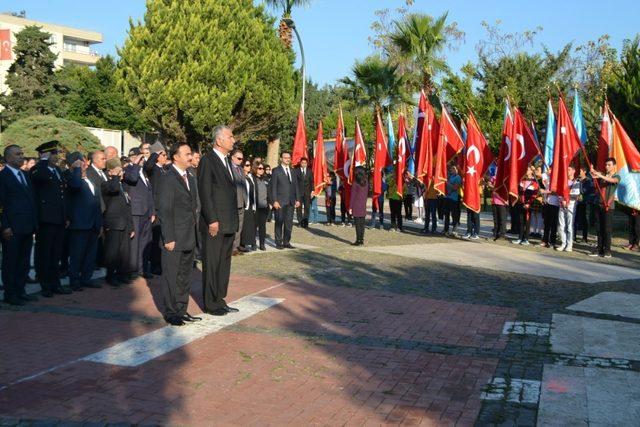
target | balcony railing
x=76, y=48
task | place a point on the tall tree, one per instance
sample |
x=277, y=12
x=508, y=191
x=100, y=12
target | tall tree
x=30, y=78
x=285, y=32
x=624, y=92
x=193, y=65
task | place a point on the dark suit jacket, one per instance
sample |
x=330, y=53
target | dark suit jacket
x=217, y=192
x=83, y=206
x=241, y=185
x=141, y=194
x=305, y=183
x=97, y=181
x=49, y=192
x=117, y=215
x=17, y=204
x=178, y=210
x=152, y=170
x=282, y=190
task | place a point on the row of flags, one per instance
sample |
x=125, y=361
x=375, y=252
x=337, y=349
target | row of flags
x=438, y=142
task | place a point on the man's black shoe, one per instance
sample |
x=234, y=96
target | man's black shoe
x=26, y=297
x=279, y=247
x=289, y=246
x=76, y=288
x=243, y=249
x=46, y=293
x=218, y=312
x=15, y=301
x=113, y=282
x=189, y=318
x=91, y=284
x=61, y=291
x=231, y=309
x=175, y=321
x=263, y=248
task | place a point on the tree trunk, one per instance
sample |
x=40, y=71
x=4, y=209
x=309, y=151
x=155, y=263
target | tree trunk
x=273, y=152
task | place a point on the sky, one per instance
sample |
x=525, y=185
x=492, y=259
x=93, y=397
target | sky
x=335, y=32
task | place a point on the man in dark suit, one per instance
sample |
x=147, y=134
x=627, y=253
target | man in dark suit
x=49, y=192
x=84, y=217
x=154, y=169
x=18, y=222
x=97, y=175
x=140, y=192
x=118, y=225
x=178, y=211
x=284, y=197
x=304, y=178
x=237, y=161
x=218, y=221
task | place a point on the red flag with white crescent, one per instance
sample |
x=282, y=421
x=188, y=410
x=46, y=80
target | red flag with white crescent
x=428, y=146
x=449, y=142
x=320, y=174
x=566, y=147
x=5, y=45
x=605, y=139
x=524, y=149
x=359, y=152
x=477, y=160
x=300, y=141
x=341, y=152
x=403, y=153
x=381, y=158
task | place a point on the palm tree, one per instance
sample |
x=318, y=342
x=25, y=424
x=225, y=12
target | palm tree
x=420, y=39
x=286, y=6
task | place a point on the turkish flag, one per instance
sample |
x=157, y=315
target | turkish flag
x=504, y=157
x=300, y=141
x=477, y=160
x=524, y=149
x=417, y=134
x=340, y=153
x=605, y=139
x=567, y=145
x=428, y=146
x=449, y=144
x=403, y=154
x=381, y=158
x=5, y=45
x=320, y=174
x=359, y=153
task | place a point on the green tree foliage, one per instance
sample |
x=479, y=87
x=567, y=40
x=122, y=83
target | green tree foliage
x=31, y=77
x=32, y=131
x=193, y=65
x=90, y=97
x=624, y=92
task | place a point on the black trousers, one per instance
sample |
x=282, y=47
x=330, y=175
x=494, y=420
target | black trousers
x=550, y=214
x=248, y=237
x=581, y=221
x=524, y=217
x=302, y=211
x=473, y=222
x=49, y=239
x=331, y=211
x=65, y=254
x=83, y=248
x=216, y=269
x=117, y=247
x=605, y=220
x=284, y=224
x=634, y=229
x=261, y=224
x=408, y=206
x=441, y=207
x=395, y=206
x=515, y=220
x=140, y=255
x=156, y=263
x=452, y=214
x=176, y=281
x=16, y=257
x=430, y=216
x=499, y=220
x=359, y=222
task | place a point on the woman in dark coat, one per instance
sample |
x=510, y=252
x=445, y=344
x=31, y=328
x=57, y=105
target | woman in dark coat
x=358, y=205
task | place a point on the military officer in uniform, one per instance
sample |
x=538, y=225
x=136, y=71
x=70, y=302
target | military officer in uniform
x=49, y=189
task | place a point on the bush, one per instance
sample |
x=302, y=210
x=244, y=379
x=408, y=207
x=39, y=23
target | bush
x=32, y=131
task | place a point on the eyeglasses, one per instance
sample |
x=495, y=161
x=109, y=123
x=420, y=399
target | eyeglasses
x=240, y=158
x=260, y=168
x=247, y=165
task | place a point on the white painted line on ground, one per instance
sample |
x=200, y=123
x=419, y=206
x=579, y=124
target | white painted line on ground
x=512, y=390
x=144, y=348
x=526, y=328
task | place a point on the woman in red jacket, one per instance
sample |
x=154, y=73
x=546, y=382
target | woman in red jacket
x=358, y=205
x=527, y=192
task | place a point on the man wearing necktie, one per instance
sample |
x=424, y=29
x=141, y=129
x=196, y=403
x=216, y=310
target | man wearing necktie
x=49, y=190
x=284, y=196
x=305, y=185
x=18, y=222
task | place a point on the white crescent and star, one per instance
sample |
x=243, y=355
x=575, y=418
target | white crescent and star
x=476, y=154
x=520, y=139
x=508, y=142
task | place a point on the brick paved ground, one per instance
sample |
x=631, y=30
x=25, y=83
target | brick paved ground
x=360, y=339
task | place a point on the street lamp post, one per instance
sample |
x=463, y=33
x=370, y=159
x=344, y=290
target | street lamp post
x=292, y=25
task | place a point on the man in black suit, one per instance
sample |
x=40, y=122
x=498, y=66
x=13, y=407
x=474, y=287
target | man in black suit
x=154, y=169
x=178, y=211
x=118, y=225
x=284, y=196
x=304, y=177
x=49, y=193
x=18, y=222
x=140, y=192
x=97, y=175
x=84, y=217
x=218, y=221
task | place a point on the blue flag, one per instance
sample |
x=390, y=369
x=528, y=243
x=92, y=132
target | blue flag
x=392, y=141
x=578, y=118
x=550, y=140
